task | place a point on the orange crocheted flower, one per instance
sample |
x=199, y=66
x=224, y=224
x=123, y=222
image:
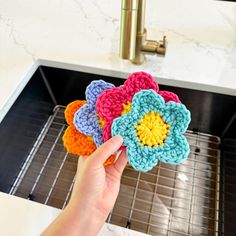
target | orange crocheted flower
x=77, y=143
x=80, y=144
x=71, y=109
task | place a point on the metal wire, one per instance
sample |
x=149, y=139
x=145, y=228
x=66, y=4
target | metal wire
x=169, y=200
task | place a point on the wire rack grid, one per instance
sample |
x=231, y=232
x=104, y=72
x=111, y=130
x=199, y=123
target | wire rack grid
x=169, y=200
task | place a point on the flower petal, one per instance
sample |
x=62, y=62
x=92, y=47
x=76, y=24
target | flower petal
x=71, y=108
x=177, y=116
x=109, y=104
x=175, y=150
x=142, y=159
x=139, y=81
x=124, y=126
x=77, y=143
x=146, y=101
x=98, y=139
x=106, y=131
x=169, y=96
x=86, y=121
x=95, y=88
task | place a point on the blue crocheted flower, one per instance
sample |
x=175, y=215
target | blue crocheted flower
x=86, y=119
x=153, y=130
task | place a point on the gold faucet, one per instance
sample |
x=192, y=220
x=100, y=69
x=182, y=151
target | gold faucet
x=133, y=42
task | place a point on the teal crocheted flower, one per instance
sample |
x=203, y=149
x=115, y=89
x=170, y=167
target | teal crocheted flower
x=153, y=130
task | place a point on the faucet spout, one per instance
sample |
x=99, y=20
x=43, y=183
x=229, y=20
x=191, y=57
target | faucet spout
x=133, y=42
x=129, y=12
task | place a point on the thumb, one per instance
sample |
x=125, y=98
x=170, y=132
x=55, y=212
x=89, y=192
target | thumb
x=105, y=150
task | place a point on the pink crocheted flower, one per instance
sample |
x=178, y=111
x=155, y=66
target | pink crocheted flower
x=115, y=102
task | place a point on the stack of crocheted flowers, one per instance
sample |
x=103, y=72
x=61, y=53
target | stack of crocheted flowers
x=76, y=142
x=151, y=122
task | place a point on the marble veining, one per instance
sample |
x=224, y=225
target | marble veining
x=84, y=36
x=14, y=35
x=200, y=54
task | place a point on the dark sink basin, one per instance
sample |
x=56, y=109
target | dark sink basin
x=22, y=127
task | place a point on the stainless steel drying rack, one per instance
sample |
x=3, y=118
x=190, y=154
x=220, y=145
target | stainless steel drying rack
x=169, y=200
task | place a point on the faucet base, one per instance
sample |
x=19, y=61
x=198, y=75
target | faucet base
x=147, y=46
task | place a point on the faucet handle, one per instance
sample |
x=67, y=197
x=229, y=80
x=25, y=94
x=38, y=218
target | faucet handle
x=161, y=46
x=155, y=46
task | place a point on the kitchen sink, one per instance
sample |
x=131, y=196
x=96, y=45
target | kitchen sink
x=197, y=197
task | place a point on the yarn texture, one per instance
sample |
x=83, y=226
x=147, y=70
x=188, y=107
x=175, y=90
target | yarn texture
x=115, y=102
x=86, y=119
x=153, y=131
x=79, y=144
x=70, y=110
x=151, y=122
x=76, y=142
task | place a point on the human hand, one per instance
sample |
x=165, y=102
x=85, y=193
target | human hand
x=97, y=186
x=94, y=193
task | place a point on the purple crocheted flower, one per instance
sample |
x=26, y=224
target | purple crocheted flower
x=86, y=119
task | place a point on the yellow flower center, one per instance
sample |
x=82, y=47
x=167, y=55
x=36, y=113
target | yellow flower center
x=101, y=122
x=126, y=108
x=152, y=130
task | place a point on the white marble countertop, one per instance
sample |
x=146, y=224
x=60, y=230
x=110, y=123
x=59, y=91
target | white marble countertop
x=20, y=217
x=84, y=36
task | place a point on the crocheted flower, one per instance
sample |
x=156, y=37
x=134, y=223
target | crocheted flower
x=86, y=119
x=115, y=102
x=153, y=130
x=75, y=142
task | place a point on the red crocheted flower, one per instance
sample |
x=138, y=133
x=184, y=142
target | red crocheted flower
x=114, y=102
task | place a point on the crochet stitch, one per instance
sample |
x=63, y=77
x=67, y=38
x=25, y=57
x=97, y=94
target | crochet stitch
x=86, y=119
x=75, y=142
x=169, y=96
x=114, y=102
x=70, y=110
x=153, y=130
x=80, y=144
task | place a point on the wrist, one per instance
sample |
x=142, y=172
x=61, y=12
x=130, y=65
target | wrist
x=89, y=205
x=88, y=219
